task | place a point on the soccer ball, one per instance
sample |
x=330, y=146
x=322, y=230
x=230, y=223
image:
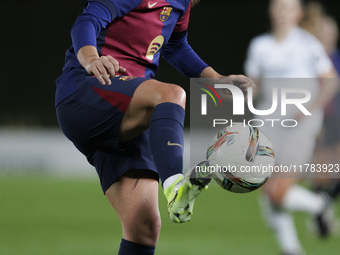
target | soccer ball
x=242, y=158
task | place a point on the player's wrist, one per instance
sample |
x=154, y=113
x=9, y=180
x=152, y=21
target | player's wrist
x=88, y=63
x=209, y=72
x=87, y=55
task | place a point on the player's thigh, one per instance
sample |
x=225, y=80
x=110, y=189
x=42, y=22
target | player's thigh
x=134, y=196
x=147, y=95
x=276, y=188
x=152, y=92
x=93, y=114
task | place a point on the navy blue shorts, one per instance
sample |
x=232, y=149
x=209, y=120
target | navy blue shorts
x=91, y=119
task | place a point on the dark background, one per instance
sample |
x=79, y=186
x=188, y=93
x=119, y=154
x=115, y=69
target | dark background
x=36, y=34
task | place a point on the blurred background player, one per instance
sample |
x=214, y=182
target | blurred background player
x=290, y=52
x=128, y=125
x=325, y=28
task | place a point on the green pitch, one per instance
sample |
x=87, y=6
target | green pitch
x=46, y=215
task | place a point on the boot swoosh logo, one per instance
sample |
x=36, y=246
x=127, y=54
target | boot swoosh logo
x=174, y=144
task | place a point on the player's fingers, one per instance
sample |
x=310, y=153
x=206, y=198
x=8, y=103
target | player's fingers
x=114, y=63
x=109, y=66
x=247, y=84
x=98, y=75
x=242, y=81
x=97, y=69
x=122, y=69
x=238, y=78
x=104, y=75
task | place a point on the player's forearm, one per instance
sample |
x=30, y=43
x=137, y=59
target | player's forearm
x=181, y=56
x=86, y=55
x=209, y=72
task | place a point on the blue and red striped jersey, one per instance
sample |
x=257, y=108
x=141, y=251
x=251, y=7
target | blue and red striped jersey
x=135, y=33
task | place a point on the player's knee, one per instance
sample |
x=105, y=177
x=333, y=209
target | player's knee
x=151, y=229
x=276, y=197
x=174, y=94
x=276, y=189
x=144, y=230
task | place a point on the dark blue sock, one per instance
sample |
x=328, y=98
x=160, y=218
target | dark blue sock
x=131, y=248
x=166, y=139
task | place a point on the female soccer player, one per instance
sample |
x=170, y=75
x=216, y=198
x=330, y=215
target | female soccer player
x=328, y=34
x=291, y=52
x=326, y=30
x=128, y=125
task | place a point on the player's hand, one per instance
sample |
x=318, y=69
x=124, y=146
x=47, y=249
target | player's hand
x=240, y=81
x=104, y=68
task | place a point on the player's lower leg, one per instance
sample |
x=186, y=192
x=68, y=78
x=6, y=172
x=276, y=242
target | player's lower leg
x=166, y=141
x=282, y=223
x=283, y=197
x=298, y=198
x=159, y=107
x=134, y=196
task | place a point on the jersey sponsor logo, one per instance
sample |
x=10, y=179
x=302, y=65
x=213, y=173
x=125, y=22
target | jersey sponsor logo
x=165, y=14
x=151, y=4
x=154, y=47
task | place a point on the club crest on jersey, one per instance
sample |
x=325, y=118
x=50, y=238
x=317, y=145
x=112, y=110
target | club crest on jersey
x=126, y=78
x=165, y=14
